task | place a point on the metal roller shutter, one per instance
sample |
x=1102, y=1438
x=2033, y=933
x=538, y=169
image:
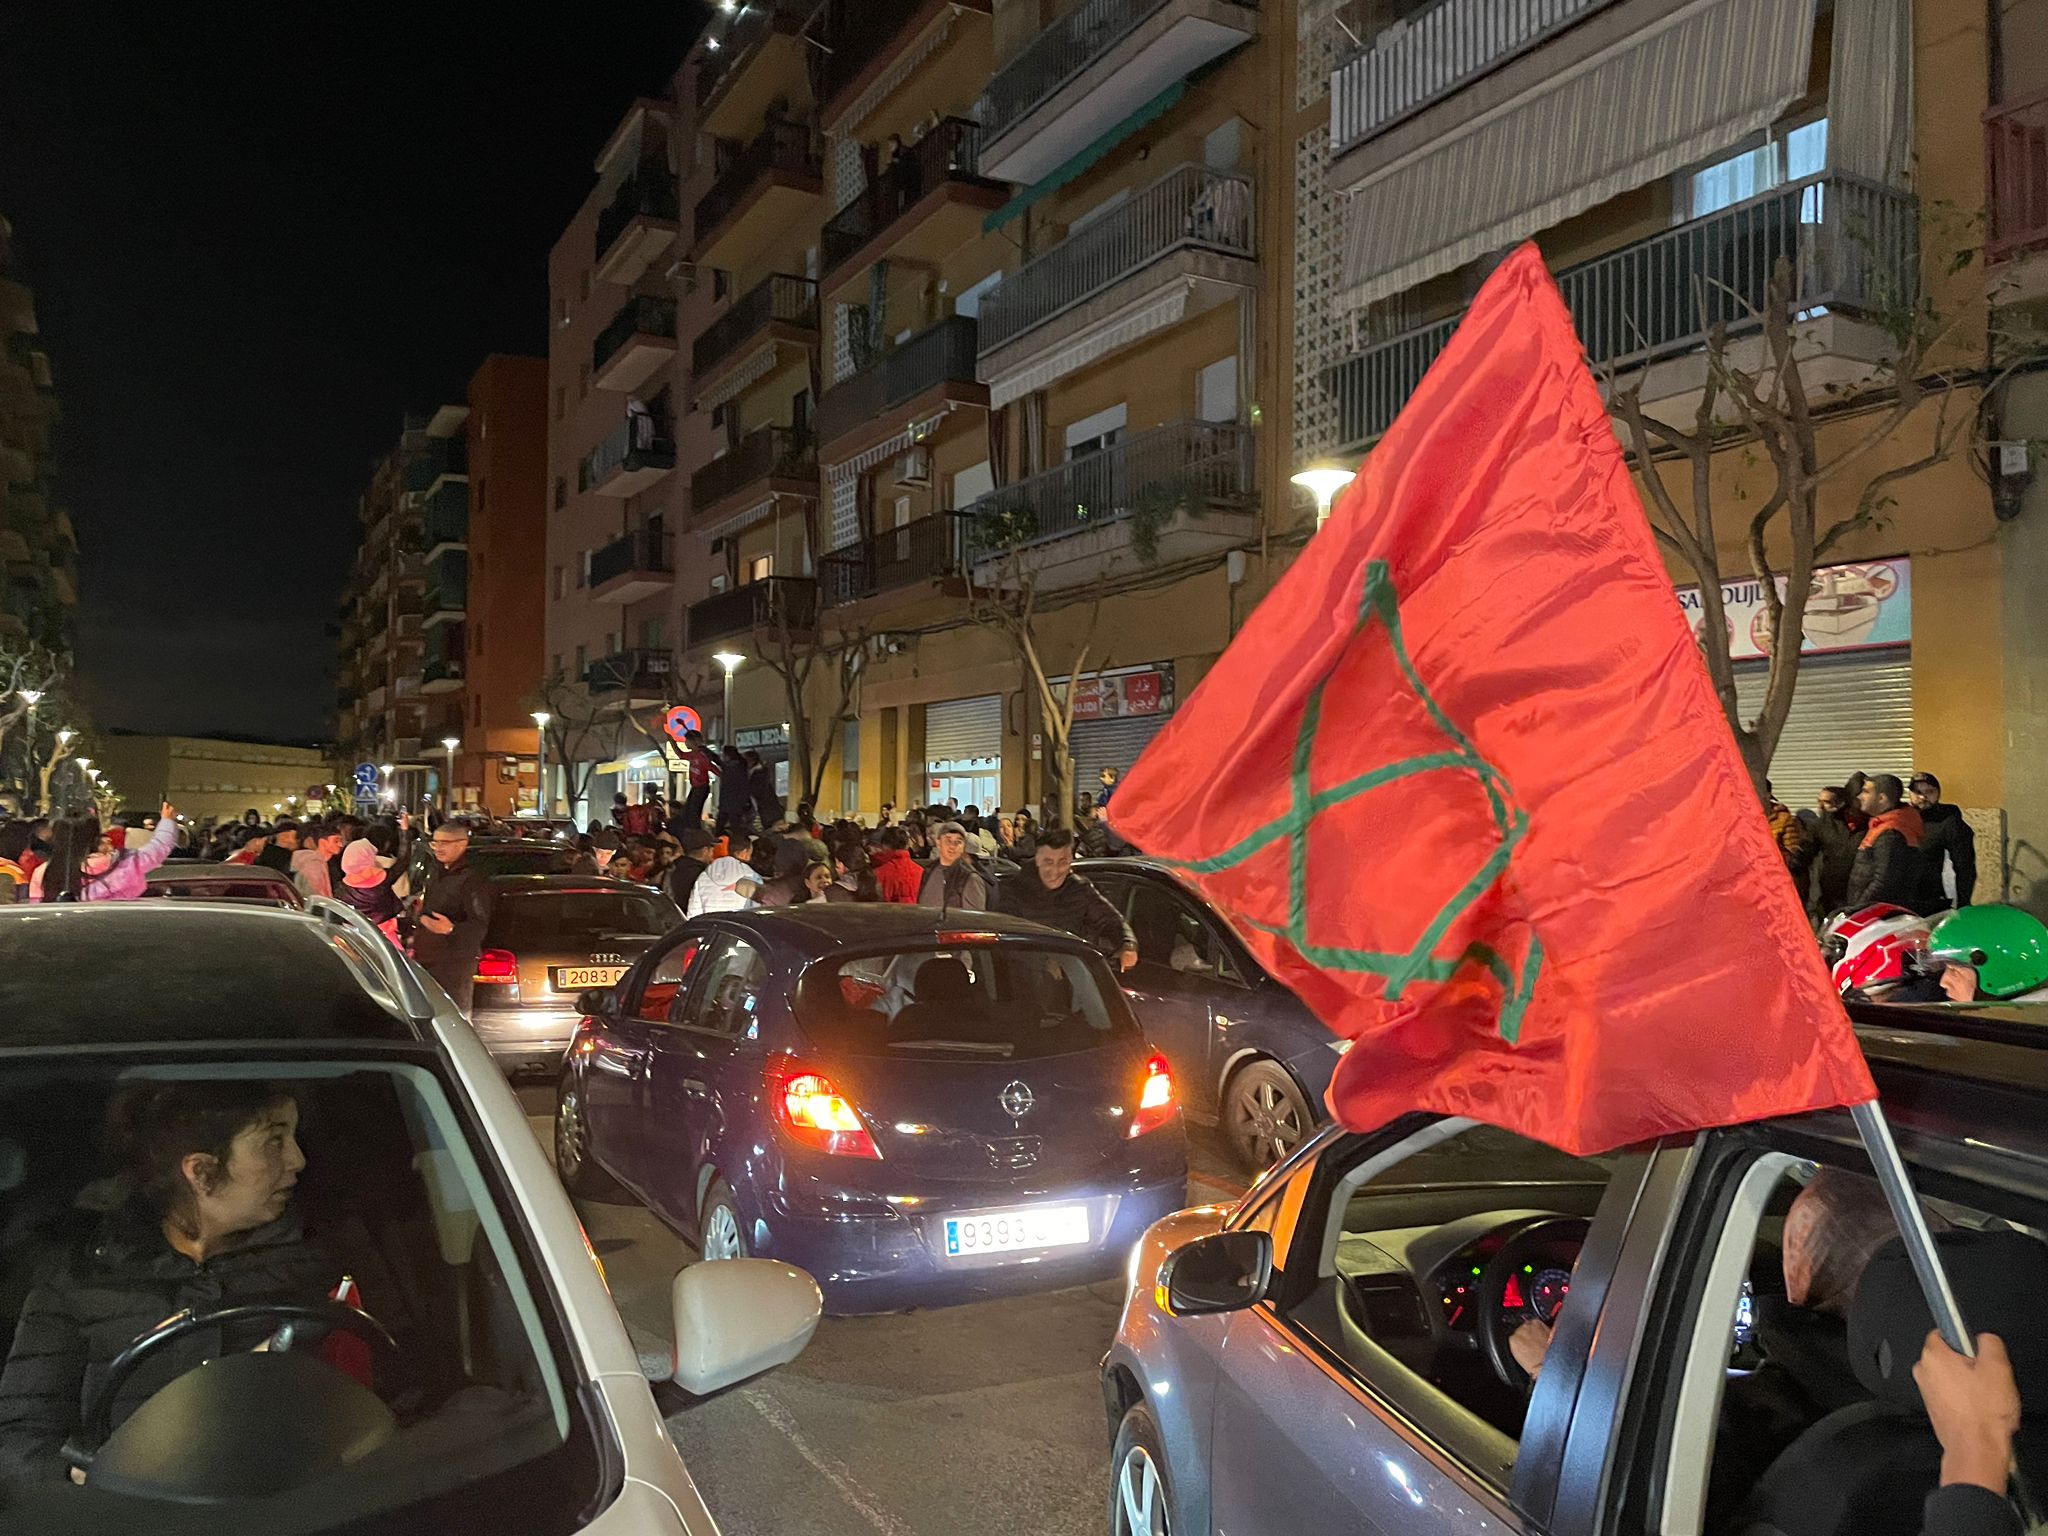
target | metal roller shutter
x=1100, y=744
x=1848, y=713
x=964, y=729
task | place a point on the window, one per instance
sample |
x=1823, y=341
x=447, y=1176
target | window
x=476, y=637
x=651, y=634
x=727, y=995
x=968, y=302
x=1782, y=157
x=849, y=769
x=971, y=484
x=757, y=568
x=583, y=570
x=561, y=582
x=582, y=659
x=555, y=665
x=1092, y=434
x=721, y=282
x=562, y=311
x=1216, y=390
x=561, y=492
x=1172, y=933
x=564, y=919
x=667, y=983
x=561, y=401
x=583, y=382
x=583, y=284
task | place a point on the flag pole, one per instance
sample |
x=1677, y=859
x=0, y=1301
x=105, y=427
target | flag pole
x=1890, y=1168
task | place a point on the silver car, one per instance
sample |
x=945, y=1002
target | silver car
x=1347, y=1348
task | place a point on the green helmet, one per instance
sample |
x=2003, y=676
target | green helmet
x=2007, y=947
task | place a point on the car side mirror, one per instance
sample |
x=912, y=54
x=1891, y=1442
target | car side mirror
x=1223, y=1272
x=735, y=1318
x=597, y=1003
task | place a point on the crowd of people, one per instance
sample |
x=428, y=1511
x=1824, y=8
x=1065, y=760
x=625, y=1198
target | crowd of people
x=1876, y=838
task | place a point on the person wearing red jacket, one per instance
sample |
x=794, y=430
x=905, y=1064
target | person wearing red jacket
x=897, y=875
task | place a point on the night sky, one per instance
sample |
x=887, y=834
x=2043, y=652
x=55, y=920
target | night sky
x=257, y=238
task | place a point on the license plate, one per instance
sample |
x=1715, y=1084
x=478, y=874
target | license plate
x=1031, y=1226
x=579, y=978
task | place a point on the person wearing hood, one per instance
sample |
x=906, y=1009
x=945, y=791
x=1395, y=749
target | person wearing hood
x=1887, y=867
x=953, y=883
x=1948, y=849
x=84, y=864
x=897, y=875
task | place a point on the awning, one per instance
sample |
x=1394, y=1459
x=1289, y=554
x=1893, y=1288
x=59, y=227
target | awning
x=1696, y=82
x=1155, y=312
x=1080, y=161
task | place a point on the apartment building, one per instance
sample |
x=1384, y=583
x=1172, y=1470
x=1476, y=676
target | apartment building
x=38, y=549
x=402, y=611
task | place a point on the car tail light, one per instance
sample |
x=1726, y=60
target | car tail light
x=498, y=967
x=814, y=1113
x=1155, y=1097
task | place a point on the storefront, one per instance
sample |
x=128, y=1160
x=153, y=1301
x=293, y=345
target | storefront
x=1853, y=708
x=963, y=751
x=1116, y=715
x=632, y=776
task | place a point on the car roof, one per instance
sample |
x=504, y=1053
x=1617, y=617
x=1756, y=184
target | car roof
x=207, y=869
x=1997, y=1044
x=820, y=927
x=163, y=972
x=533, y=885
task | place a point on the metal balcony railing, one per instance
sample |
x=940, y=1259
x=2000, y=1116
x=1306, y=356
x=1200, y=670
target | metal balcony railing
x=938, y=354
x=921, y=550
x=649, y=192
x=444, y=518
x=641, y=315
x=434, y=457
x=1057, y=54
x=1851, y=245
x=781, y=297
x=442, y=669
x=1184, y=465
x=655, y=449
x=786, y=453
x=849, y=35
x=1441, y=50
x=1189, y=206
x=644, y=549
x=447, y=589
x=755, y=21
x=2016, y=176
x=947, y=153
x=781, y=146
x=635, y=670
x=772, y=603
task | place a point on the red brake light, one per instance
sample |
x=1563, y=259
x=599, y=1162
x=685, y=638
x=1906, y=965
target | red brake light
x=813, y=1113
x=498, y=966
x=1155, y=1097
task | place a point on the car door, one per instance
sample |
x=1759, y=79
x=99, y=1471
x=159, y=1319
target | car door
x=1183, y=981
x=1328, y=1413
x=704, y=1078
x=622, y=1051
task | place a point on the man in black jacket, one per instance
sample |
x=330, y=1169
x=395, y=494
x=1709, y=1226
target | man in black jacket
x=454, y=912
x=284, y=842
x=1048, y=891
x=1945, y=840
x=1887, y=867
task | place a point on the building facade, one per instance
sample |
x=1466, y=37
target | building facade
x=38, y=549
x=210, y=778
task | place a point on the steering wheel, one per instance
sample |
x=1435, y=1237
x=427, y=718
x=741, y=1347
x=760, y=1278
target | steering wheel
x=316, y=1318
x=1524, y=1246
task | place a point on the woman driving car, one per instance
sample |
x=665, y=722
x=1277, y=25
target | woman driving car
x=208, y=1222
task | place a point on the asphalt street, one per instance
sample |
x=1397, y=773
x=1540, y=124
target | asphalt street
x=980, y=1418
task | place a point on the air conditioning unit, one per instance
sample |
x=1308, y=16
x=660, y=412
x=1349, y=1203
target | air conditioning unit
x=914, y=468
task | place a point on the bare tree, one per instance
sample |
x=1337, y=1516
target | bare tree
x=803, y=654
x=1758, y=396
x=27, y=670
x=582, y=731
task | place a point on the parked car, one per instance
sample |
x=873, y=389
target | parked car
x=1247, y=1053
x=1333, y=1352
x=552, y=938
x=492, y=1370
x=497, y=856
x=915, y=1108
x=204, y=880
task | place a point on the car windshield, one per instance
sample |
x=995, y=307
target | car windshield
x=519, y=859
x=539, y=919
x=1002, y=1001
x=367, y=1189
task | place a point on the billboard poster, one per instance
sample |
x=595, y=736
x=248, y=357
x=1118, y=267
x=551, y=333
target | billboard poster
x=1849, y=608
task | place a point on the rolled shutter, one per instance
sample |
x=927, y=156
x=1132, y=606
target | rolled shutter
x=962, y=730
x=1848, y=713
x=1100, y=744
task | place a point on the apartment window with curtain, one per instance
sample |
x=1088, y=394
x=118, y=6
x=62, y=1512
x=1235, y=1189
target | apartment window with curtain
x=1786, y=155
x=651, y=635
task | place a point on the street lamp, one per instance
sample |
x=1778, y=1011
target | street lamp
x=540, y=760
x=449, y=744
x=730, y=660
x=1324, y=481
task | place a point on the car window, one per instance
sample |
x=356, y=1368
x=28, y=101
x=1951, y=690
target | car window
x=666, y=989
x=1173, y=932
x=727, y=994
x=567, y=919
x=1004, y=1001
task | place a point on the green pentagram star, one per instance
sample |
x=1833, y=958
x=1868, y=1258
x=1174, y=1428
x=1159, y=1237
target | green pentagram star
x=1379, y=602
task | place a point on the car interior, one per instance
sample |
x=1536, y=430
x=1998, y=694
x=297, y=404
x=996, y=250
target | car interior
x=393, y=1195
x=1008, y=1001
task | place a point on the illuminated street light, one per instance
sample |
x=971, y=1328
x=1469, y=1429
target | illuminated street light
x=540, y=760
x=730, y=660
x=1324, y=481
x=449, y=744
x=31, y=697
x=64, y=736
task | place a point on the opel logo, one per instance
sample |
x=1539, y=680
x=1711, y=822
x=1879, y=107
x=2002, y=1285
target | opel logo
x=1016, y=1100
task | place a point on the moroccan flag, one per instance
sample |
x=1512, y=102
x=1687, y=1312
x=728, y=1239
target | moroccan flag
x=1465, y=787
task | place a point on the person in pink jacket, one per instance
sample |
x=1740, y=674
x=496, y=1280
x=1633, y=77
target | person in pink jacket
x=84, y=864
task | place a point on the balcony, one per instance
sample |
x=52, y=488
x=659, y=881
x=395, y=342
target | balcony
x=2016, y=177
x=778, y=317
x=768, y=461
x=1429, y=56
x=373, y=701
x=777, y=604
x=920, y=208
x=638, y=674
x=447, y=594
x=444, y=517
x=1175, y=491
x=926, y=549
x=1190, y=232
x=770, y=186
x=1853, y=247
x=638, y=225
x=442, y=674
x=852, y=43
x=760, y=57
x=935, y=366
x=434, y=459
x=640, y=341
x=636, y=566
x=638, y=453
x=1093, y=68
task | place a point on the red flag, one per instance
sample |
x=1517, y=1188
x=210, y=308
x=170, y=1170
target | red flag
x=1464, y=783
